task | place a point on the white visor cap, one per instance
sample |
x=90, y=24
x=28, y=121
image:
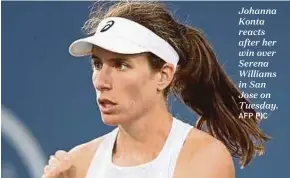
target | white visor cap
x=124, y=36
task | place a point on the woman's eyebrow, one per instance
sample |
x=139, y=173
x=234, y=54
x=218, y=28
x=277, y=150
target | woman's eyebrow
x=93, y=56
x=113, y=59
x=119, y=59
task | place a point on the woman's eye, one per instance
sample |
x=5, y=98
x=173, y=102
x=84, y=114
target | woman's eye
x=96, y=64
x=121, y=66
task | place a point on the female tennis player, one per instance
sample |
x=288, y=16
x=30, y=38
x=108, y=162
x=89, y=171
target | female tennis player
x=139, y=54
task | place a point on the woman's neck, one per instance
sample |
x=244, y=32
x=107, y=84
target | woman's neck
x=144, y=137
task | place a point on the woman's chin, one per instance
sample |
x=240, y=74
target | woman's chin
x=111, y=120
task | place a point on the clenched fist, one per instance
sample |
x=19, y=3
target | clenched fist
x=59, y=166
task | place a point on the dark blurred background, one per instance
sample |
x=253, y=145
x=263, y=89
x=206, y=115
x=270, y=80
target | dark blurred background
x=48, y=101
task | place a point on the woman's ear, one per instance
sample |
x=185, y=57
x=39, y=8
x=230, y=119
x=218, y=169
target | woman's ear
x=165, y=76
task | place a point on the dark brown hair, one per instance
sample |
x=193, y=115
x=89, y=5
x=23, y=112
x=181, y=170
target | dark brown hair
x=200, y=82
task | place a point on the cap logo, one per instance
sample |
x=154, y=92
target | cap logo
x=108, y=25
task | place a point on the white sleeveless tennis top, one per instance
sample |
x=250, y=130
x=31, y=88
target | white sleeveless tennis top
x=161, y=167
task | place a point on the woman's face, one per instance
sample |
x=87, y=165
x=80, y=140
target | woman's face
x=126, y=87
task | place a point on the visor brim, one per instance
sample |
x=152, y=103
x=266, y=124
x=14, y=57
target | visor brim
x=83, y=47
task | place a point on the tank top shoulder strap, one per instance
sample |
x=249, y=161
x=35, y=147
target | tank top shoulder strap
x=180, y=133
x=102, y=153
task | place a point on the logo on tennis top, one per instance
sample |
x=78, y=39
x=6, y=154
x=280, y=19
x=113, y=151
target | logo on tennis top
x=108, y=25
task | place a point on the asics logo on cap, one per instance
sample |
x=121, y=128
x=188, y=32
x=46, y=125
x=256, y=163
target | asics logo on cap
x=108, y=25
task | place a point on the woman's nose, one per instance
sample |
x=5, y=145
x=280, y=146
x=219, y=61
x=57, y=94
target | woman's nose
x=102, y=79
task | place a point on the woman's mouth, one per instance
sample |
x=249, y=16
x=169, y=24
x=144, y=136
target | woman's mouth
x=106, y=106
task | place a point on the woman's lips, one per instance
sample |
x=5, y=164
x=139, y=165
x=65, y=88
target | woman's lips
x=106, y=106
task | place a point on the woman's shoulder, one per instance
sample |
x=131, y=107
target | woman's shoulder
x=86, y=148
x=199, y=141
x=202, y=151
x=89, y=148
x=83, y=154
